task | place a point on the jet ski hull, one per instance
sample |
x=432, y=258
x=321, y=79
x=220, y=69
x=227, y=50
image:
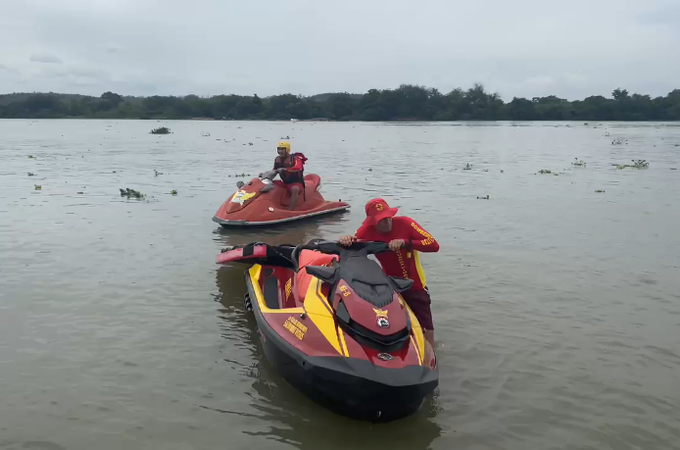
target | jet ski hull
x=329, y=209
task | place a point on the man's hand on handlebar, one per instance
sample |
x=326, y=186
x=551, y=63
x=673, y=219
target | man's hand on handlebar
x=346, y=241
x=396, y=244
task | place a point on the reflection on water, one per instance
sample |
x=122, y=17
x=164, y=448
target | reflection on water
x=292, y=417
x=292, y=233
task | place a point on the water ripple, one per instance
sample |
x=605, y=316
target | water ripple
x=556, y=307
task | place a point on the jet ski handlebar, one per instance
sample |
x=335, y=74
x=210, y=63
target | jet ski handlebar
x=358, y=246
x=268, y=175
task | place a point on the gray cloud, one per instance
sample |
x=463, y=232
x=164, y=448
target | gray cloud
x=520, y=48
x=45, y=58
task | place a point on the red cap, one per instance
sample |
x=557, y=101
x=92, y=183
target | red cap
x=377, y=210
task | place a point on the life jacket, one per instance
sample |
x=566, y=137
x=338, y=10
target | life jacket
x=293, y=177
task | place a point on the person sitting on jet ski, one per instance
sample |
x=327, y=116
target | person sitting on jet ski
x=291, y=170
x=406, y=239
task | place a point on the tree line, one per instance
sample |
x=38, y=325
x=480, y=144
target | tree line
x=407, y=102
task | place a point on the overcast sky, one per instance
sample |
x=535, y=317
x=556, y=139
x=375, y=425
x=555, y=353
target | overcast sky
x=571, y=48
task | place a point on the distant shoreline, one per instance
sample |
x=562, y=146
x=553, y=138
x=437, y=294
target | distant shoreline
x=159, y=120
x=407, y=103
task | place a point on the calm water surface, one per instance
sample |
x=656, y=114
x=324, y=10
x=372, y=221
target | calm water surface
x=557, y=309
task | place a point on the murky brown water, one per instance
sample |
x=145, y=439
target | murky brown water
x=557, y=308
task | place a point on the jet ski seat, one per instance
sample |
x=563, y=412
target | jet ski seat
x=310, y=258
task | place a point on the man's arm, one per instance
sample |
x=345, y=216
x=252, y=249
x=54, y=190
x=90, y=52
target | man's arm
x=360, y=233
x=421, y=240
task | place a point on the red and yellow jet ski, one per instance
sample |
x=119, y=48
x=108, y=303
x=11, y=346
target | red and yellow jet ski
x=262, y=202
x=336, y=328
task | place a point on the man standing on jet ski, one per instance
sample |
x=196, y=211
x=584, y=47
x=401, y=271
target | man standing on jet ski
x=406, y=239
x=291, y=170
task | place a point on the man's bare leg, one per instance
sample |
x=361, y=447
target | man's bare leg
x=429, y=336
x=294, y=193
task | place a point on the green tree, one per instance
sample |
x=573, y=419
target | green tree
x=408, y=101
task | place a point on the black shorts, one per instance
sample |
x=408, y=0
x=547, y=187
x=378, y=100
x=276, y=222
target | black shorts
x=419, y=302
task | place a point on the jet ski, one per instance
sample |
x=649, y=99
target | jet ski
x=336, y=328
x=262, y=202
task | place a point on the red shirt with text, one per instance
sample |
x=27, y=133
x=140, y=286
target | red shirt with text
x=404, y=263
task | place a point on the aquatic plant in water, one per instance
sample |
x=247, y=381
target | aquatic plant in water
x=637, y=164
x=578, y=163
x=161, y=130
x=131, y=193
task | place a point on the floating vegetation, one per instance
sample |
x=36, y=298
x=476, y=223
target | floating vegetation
x=502, y=171
x=544, y=171
x=31, y=157
x=599, y=191
x=250, y=143
x=156, y=173
x=31, y=174
x=37, y=187
x=578, y=163
x=486, y=197
x=640, y=163
x=205, y=134
x=131, y=193
x=637, y=164
x=243, y=175
x=468, y=166
x=619, y=141
x=174, y=192
x=161, y=130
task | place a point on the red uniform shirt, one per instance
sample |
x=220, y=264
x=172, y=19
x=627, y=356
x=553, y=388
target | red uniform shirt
x=404, y=263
